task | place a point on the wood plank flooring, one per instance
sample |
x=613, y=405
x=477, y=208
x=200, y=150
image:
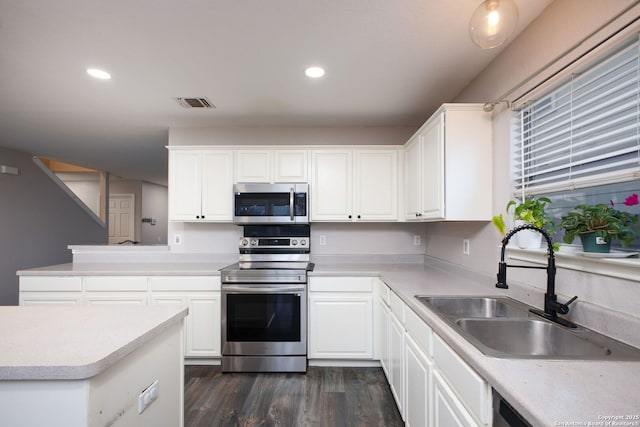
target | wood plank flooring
x=331, y=397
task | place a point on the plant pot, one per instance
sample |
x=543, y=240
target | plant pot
x=591, y=242
x=527, y=239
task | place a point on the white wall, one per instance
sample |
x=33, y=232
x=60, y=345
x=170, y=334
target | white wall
x=85, y=185
x=154, y=205
x=373, y=135
x=341, y=239
x=563, y=24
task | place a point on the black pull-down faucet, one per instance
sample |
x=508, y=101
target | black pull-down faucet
x=551, y=305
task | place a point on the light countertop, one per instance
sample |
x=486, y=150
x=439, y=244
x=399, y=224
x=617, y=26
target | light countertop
x=545, y=392
x=128, y=269
x=75, y=342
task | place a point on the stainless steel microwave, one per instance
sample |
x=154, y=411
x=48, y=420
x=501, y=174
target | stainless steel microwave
x=271, y=203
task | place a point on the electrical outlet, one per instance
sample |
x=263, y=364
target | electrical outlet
x=323, y=240
x=416, y=240
x=177, y=239
x=466, y=249
x=148, y=396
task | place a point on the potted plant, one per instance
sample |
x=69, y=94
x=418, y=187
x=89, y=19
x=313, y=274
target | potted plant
x=532, y=211
x=598, y=225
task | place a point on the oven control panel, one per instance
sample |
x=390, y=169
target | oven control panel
x=281, y=243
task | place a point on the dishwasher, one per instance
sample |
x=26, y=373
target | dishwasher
x=504, y=415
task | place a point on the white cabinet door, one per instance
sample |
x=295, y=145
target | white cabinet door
x=118, y=298
x=41, y=290
x=433, y=170
x=203, y=334
x=413, y=178
x=253, y=166
x=354, y=185
x=185, y=185
x=447, y=410
x=267, y=165
x=448, y=169
x=376, y=185
x=200, y=185
x=396, y=362
x=217, y=186
x=329, y=314
x=332, y=185
x=202, y=295
x=50, y=298
x=290, y=166
x=382, y=334
x=418, y=382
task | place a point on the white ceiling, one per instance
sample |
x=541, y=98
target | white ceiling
x=388, y=62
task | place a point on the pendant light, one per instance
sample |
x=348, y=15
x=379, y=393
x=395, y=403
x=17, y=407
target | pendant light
x=493, y=22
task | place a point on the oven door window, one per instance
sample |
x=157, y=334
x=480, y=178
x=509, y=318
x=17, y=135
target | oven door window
x=263, y=317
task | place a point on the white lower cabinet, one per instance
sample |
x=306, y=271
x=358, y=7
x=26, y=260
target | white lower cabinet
x=430, y=383
x=200, y=293
x=340, y=318
x=100, y=290
x=419, y=369
x=383, y=323
x=447, y=409
x=396, y=362
x=46, y=290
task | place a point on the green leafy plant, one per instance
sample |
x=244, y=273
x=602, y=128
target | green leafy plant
x=530, y=210
x=606, y=221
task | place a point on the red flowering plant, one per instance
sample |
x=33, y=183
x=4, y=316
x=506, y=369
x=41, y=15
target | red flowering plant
x=603, y=219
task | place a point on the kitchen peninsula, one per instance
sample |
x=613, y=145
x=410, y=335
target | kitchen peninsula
x=91, y=366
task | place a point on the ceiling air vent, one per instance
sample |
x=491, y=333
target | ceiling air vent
x=195, y=103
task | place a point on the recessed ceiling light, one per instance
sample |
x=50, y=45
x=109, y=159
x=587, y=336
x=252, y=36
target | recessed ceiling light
x=314, y=72
x=98, y=74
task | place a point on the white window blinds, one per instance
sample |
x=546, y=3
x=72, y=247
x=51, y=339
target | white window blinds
x=585, y=132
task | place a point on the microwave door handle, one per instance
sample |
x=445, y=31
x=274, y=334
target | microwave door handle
x=291, y=196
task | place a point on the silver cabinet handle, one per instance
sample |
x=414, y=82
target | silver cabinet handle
x=291, y=196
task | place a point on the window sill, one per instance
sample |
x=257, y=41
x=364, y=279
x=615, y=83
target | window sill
x=571, y=257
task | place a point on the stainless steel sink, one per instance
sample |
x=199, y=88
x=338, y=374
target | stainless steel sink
x=503, y=327
x=529, y=338
x=475, y=307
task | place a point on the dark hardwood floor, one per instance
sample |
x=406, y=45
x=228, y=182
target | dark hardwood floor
x=331, y=397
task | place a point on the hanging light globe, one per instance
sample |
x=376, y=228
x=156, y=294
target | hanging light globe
x=493, y=22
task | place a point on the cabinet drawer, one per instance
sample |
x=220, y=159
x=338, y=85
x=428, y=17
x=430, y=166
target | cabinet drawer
x=115, y=283
x=53, y=284
x=419, y=331
x=397, y=307
x=474, y=392
x=340, y=284
x=184, y=283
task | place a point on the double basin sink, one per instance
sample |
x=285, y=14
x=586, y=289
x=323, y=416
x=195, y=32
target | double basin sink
x=505, y=328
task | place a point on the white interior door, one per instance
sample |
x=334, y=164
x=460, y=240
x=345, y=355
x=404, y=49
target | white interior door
x=121, y=217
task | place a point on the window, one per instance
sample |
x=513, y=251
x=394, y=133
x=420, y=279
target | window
x=580, y=142
x=585, y=132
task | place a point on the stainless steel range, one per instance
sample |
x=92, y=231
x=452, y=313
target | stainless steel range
x=264, y=301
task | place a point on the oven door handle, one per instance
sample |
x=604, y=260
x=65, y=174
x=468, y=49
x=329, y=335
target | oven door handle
x=291, y=198
x=263, y=289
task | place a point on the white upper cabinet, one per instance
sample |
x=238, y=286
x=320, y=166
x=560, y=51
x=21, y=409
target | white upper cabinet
x=200, y=185
x=268, y=165
x=253, y=166
x=354, y=185
x=448, y=166
x=376, y=179
x=331, y=185
x=290, y=165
